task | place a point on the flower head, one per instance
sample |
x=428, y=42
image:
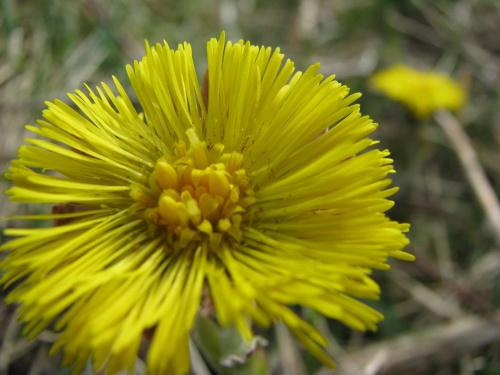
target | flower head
x=422, y=92
x=227, y=188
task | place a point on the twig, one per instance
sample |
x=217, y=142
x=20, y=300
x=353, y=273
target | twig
x=472, y=301
x=308, y=19
x=198, y=365
x=400, y=355
x=290, y=357
x=345, y=363
x=473, y=169
x=440, y=305
x=484, y=271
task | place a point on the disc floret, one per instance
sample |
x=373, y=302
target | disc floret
x=197, y=194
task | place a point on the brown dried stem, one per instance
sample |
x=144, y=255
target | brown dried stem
x=473, y=169
x=416, y=349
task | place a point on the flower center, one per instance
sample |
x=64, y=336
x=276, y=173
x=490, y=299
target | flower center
x=198, y=194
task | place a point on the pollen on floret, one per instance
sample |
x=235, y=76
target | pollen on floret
x=201, y=192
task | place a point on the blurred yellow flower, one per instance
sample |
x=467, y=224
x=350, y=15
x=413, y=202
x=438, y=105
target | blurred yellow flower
x=228, y=189
x=422, y=92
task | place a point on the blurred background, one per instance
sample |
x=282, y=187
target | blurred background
x=442, y=311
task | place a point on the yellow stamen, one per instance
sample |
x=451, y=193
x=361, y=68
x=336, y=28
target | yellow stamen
x=218, y=184
x=168, y=210
x=166, y=175
x=223, y=225
x=191, y=199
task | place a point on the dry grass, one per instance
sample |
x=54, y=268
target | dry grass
x=442, y=312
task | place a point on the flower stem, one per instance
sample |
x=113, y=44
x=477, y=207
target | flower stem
x=473, y=169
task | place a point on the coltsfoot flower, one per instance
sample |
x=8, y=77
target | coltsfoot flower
x=226, y=189
x=422, y=92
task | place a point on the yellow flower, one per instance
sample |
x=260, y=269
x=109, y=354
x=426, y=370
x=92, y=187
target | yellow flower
x=421, y=92
x=227, y=188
